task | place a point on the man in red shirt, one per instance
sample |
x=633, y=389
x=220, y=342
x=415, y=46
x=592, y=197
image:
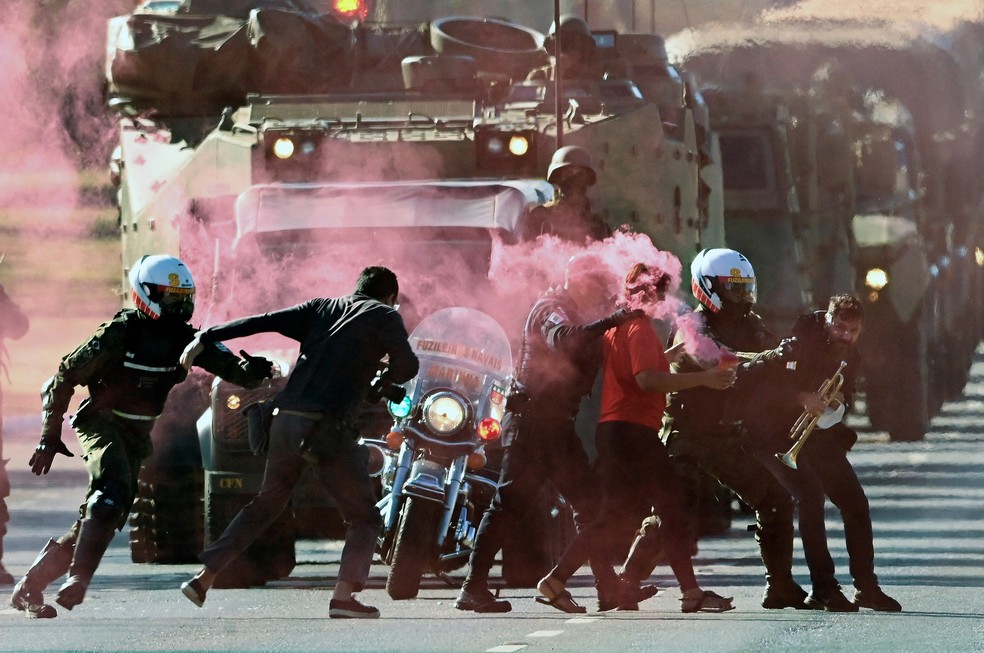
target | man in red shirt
x=633, y=462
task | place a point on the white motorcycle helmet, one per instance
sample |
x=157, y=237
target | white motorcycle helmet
x=162, y=286
x=720, y=276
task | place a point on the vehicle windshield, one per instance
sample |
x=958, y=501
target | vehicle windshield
x=463, y=349
x=294, y=242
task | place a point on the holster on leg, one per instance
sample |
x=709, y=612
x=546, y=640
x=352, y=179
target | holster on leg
x=645, y=553
x=53, y=561
x=94, y=537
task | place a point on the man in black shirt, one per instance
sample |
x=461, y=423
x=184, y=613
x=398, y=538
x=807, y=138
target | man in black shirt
x=779, y=386
x=342, y=341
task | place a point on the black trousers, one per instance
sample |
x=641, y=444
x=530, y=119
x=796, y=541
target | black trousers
x=546, y=448
x=823, y=471
x=638, y=477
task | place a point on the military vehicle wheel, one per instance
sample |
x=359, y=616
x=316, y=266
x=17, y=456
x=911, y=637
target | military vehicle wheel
x=902, y=410
x=896, y=369
x=496, y=45
x=270, y=557
x=166, y=520
x=532, y=549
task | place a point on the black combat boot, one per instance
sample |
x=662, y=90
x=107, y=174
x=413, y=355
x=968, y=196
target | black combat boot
x=783, y=594
x=52, y=562
x=94, y=537
x=774, y=533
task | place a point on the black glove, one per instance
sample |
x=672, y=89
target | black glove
x=619, y=317
x=382, y=388
x=44, y=454
x=258, y=366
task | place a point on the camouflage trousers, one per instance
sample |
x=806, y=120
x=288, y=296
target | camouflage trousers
x=113, y=450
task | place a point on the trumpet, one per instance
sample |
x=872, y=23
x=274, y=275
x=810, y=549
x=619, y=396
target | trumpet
x=804, y=426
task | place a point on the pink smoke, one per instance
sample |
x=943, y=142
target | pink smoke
x=524, y=271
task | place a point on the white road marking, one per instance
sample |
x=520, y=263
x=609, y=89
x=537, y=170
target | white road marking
x=584, y=620
x=545, y=633
x=506, y=648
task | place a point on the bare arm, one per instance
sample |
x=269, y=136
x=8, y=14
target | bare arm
x=652, y=380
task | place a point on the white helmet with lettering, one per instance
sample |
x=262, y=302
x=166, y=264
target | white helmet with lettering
x=161, y=285
x=720, y=276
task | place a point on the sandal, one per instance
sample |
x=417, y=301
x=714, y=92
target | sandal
x=559, y=599
x=707, y=602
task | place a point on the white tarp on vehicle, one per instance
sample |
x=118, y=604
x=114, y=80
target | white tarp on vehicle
x=450, y=204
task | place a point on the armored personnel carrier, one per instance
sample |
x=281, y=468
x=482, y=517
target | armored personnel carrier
x=276, y=148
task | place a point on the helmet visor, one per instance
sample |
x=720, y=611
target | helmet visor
x=177, y=301
x=737, y=290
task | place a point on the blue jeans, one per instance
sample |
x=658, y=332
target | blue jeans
x=342, y=469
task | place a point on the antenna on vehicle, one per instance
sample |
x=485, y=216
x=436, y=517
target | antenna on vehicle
x=558, y=76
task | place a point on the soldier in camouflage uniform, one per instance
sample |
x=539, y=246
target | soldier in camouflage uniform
x=129, y=366
x=13, y=324
x=568, y=215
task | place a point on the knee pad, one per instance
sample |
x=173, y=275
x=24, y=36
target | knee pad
x=107, y=504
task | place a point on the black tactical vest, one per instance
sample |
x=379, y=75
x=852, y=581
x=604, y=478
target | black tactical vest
x=139, y=387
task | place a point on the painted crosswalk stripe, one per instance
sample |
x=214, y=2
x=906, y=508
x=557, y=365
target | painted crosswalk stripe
x=545, y=633
x=506, y=648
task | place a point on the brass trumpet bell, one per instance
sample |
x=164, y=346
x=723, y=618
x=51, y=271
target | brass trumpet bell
x=807, y=421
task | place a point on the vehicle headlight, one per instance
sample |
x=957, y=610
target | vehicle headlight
x=876, y=278
x=444, y=413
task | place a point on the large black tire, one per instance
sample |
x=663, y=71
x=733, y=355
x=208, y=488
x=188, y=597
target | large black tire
x=270, y=557
x=166, y=520
x=897, y=378
x=414, y=548
x=533, y=547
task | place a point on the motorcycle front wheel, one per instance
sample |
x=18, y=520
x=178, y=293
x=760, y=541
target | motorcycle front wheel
x=414, y=548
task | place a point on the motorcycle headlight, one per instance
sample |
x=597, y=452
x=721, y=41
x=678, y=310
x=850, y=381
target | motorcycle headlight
x=444, y=413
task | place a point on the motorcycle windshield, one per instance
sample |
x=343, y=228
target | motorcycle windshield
x=464, y=350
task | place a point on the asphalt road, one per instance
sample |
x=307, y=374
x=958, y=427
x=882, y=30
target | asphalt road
x=928, y=510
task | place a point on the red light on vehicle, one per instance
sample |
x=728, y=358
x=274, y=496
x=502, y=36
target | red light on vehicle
x=489, y=429
x=350, y=9
x=394, y=439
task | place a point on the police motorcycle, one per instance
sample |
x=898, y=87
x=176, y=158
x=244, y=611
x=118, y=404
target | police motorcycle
x=434, y=485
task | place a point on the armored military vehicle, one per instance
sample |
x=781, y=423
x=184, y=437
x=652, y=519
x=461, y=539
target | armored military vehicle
x=836, y=166
x=270, y=145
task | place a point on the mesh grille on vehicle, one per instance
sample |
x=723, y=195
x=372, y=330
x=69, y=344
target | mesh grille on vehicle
x=230, y=424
